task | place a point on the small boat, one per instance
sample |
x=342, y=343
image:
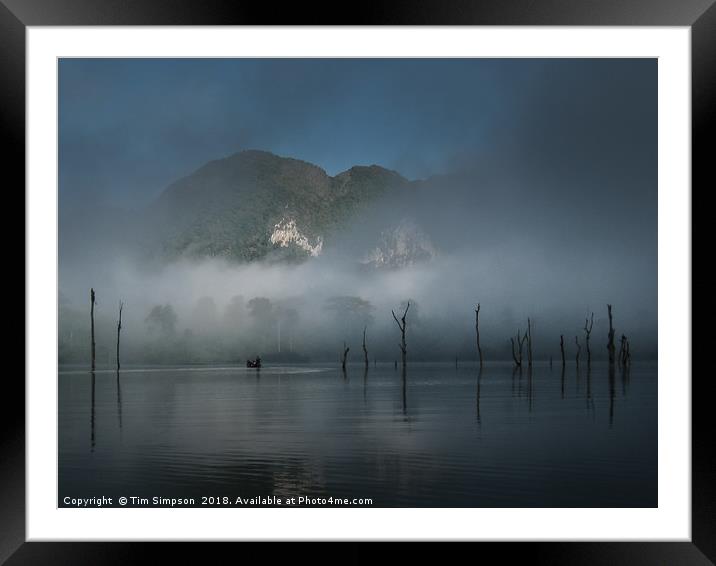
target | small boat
x=253, y=363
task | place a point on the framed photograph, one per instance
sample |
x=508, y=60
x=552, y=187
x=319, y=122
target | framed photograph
x=424, y=277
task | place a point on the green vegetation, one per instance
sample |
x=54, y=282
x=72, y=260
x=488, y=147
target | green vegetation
x=229, y=207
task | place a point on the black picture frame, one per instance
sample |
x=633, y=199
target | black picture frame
x=16, y=15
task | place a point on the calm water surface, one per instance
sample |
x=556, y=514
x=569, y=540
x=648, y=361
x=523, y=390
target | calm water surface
x=441, y=437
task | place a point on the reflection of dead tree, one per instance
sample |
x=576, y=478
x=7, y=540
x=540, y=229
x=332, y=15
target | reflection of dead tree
x=119, y=329
x=119, y=401
x=624, y=353
x=92, y=301
x=92, y=413
x=612, y=394
x=479, y=379
x=579, y=349
x=588, y=324
x=345, y=356
x=517, y=347
x=561, y=348
x=529, y=387
x=477, y=332
x=365, y=350
x=514, y=353
x=402, y=324
x=610, y=343
x=365, y=383
x=405, y=391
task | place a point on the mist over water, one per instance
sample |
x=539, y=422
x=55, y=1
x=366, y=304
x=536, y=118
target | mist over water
x=512, y=280
x=533, y=183
x=527, y=186
x=515, y=259
x=441, y=437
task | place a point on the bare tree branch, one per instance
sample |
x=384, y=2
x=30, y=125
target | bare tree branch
x=92, y=302
x=610, y=343
x=588, y=324
x=119, y=330
x=402, y=325
x=345, y=356
x=477, y=332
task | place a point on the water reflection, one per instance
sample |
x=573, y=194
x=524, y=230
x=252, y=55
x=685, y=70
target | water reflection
x=405, y=392
x=119, y=401
x=611, y=395
x=92, y=415
x=334, y=437
x=576, y=372
x=625, y=379
x=479, y=381
x=519, y=388
x=365, y=383
x=590, y=400
x=517, y=370
x=529, y=387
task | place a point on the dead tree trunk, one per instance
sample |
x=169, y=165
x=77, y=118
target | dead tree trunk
x=477, y=332
x=529, y=342
x=119, y=330
x=588, y=324
x=365, y=349
x=610, y=343
x=514, y=351
x=517, y=347
x=579, y=349
x=402, y=324
x=92, y=301
x=561, y=348
x=624, y=354
x=345, y=356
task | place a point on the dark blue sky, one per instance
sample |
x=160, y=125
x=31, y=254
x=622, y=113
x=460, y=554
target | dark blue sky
x=129, y=127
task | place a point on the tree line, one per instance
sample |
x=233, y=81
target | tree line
x=521, y=343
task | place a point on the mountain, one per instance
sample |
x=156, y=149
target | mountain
x=256, y=205
x=401, y=246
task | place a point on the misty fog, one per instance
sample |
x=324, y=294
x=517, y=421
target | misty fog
x=551, y=215
x=214, y=310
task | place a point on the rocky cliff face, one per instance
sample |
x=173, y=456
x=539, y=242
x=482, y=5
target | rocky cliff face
x=401, y=246
x=255, y=205
x=286, y=233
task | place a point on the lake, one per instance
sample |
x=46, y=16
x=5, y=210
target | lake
x=440, y=437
